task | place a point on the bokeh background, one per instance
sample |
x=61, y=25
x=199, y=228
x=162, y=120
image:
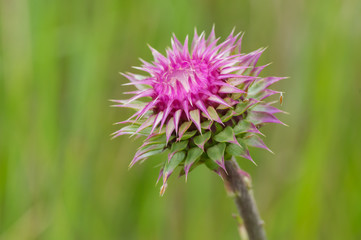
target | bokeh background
x=61, y=177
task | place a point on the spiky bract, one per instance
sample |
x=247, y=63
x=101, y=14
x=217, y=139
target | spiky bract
x=204, y=105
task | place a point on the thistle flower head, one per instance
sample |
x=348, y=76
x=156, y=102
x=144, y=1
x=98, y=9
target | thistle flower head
x=205, y=104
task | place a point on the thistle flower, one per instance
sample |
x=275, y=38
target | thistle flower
x=204, y=105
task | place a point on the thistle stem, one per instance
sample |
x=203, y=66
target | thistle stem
x=247, y=208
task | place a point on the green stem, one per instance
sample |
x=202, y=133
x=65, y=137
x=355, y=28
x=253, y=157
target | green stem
x=241, y=187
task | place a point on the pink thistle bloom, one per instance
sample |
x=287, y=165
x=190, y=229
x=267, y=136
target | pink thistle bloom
x=205, y=104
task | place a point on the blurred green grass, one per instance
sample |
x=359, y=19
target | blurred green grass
x=62, y=178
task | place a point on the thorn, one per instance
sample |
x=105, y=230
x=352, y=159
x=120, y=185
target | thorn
x=186, y=171
x=270, y=151
x=162, y=189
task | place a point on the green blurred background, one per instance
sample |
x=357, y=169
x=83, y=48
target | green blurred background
x=61, y=177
